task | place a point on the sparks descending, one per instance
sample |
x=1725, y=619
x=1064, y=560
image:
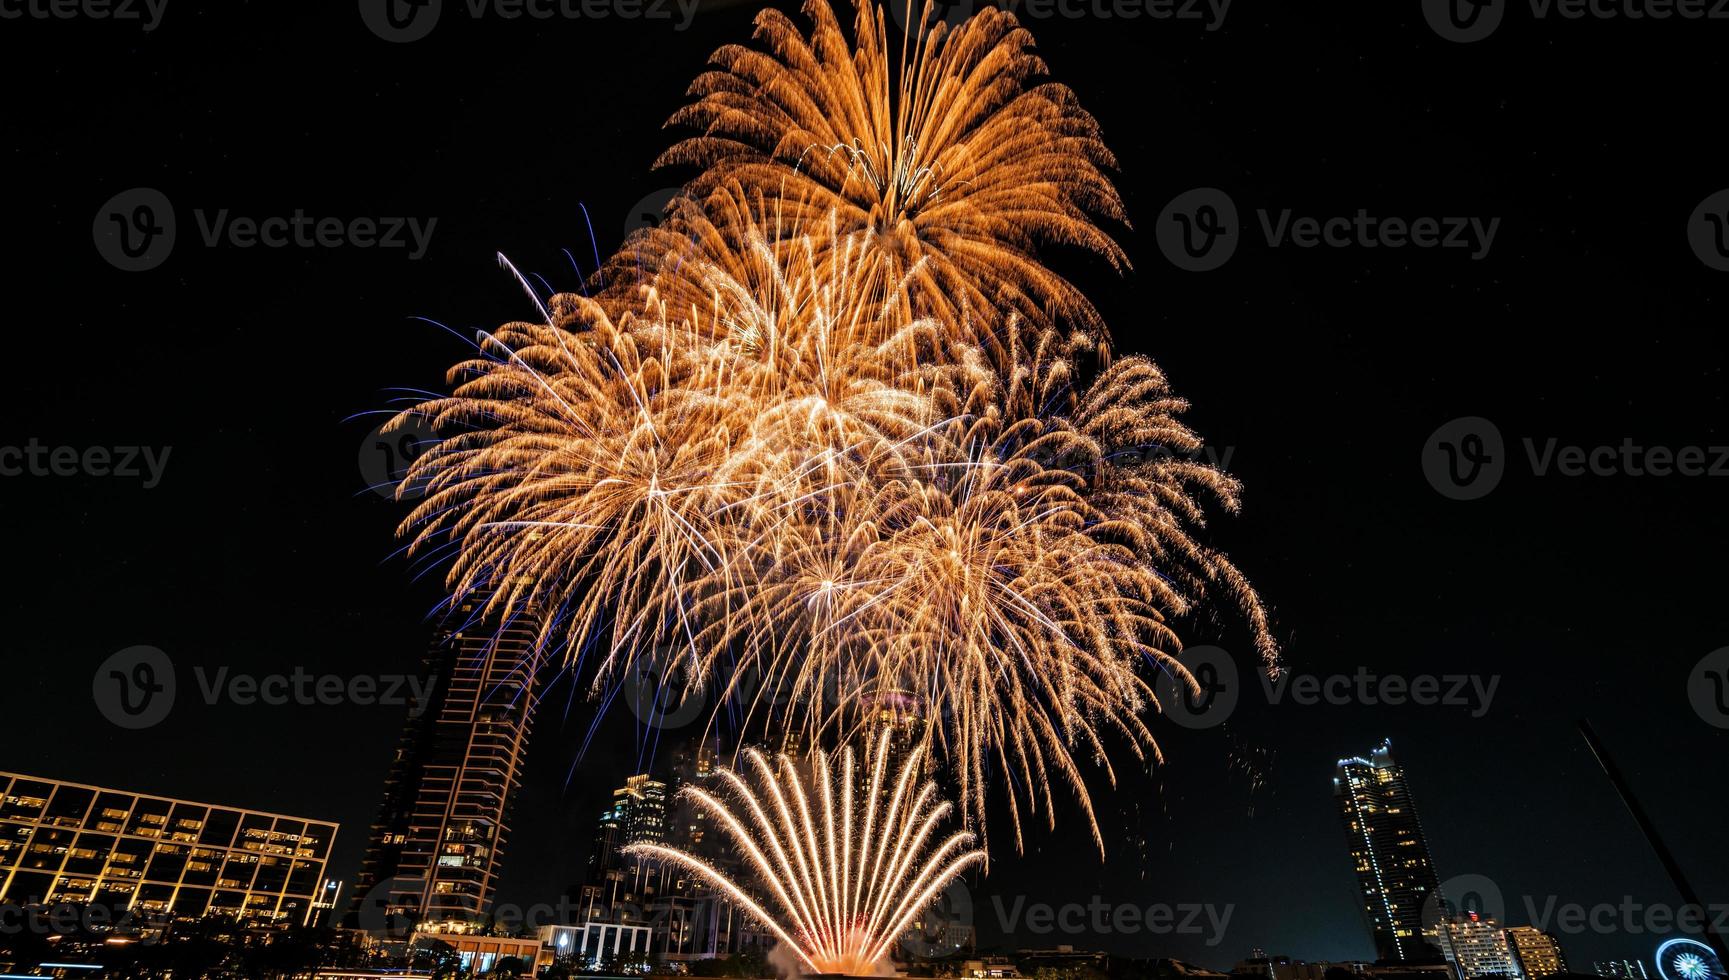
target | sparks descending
x=834, y=438
x=838, y=866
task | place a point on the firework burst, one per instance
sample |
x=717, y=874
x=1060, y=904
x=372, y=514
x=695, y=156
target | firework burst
x=842, y=473
x=950, y=172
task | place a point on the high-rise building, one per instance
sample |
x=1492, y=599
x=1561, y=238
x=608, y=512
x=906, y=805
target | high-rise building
x=1476, y=946
x=620, y=887
x=636, y=905
x=1539, y=953
x=1389, y=854
x=156, y=857
x=639, y=809
x=438, y=844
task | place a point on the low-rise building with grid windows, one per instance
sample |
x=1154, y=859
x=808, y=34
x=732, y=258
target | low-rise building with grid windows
x=70, y=843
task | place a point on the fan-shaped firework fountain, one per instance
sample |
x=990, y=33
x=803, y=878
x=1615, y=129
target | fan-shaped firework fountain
x=846, y=871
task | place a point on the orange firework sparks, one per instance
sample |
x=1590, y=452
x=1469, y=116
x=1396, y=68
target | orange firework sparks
x=837, y=463
x=952, y=170
x=838, y=874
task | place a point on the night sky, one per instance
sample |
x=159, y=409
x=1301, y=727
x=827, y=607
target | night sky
x=1321, y=371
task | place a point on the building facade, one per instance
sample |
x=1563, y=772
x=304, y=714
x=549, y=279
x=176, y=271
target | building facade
x=1538, y=953
x=157, y=857
x=437, y=846
x=1389, y=854
x=1476, y=946
x=639, y=906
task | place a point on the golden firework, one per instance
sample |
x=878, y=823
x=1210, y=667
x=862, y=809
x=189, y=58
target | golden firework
x=950, y=171
x=840, y=867
x=840, y=468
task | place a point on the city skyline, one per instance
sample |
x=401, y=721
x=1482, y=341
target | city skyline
x=1218, y=956
x=1460, y=498
x=619, y=813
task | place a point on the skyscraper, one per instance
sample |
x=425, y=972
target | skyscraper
x=620, y=887
x=1539, y=954
x=1388, y=853
x=437, y=846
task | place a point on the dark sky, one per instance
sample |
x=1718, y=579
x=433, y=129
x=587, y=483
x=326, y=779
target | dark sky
x=1323, y=371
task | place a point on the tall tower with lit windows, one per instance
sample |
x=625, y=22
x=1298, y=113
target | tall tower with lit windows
x=1389, y=854
x=437, y=846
